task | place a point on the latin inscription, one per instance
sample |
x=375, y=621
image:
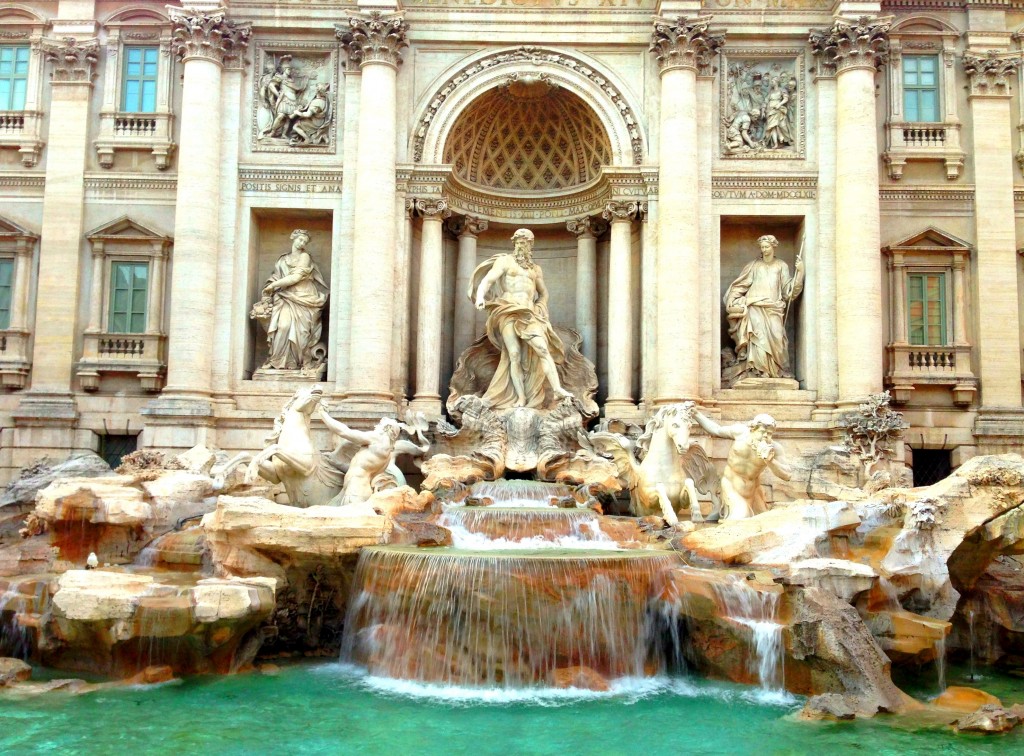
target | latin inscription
x=294, y=187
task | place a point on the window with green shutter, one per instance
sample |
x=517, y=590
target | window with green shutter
x=13, y=76
x=6, y=281
x=921, y=88
x=138, y=88
x=129, y=290
x=926, y=308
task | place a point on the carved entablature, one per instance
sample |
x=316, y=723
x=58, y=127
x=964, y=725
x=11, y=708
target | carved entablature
x=863, y=43
x=990, y=75
x=73, y=61
x=763, y=104
x=207, y=35
x=374, y=37
x=294, y=97
x=684, y=43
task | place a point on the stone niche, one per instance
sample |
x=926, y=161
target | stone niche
x=270, y=238
x=738, y=247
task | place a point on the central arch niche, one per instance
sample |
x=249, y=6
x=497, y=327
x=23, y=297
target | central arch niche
x=528, y=136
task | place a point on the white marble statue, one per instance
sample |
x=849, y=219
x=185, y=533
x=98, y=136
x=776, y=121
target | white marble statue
x=665, y=467
x=756, y=305
x=293, y=302
x=752, y=451
x=511, y=288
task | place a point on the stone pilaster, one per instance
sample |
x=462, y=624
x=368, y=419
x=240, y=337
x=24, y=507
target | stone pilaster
x=374, y=42
x=620, y=308
x=998, y=340
x=466, y=229
x=856, y=49
x=203, y=41
x=50, y=401
x=429, y=307
x=681, y=47
x=586, y=230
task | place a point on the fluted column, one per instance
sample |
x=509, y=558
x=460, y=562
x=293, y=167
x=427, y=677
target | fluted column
x=857, y=49
x=998, y=342
x=466, y=228
x=620, y=308
x=374, y=42
x=202, y=41
x=680, y=46
x=587, y=230
x=429, y=307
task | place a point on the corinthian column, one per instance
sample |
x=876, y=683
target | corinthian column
x=998, y=338
x=466, y=228
x=857, y=49
x=202, y=41
x=680, y=47
x=620, y=309
x=429, y=306
x=374, y=42
x=586, y=230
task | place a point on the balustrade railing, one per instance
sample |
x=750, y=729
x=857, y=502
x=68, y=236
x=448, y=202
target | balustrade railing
x=130, y=125
x=931, y=360
x=917, y=135
x=12, y=122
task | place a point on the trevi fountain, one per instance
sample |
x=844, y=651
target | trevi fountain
x=511, y=377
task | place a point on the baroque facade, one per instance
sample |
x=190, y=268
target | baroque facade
x=205, y=206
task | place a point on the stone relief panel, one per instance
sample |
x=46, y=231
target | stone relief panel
x=762, y=96
x=294, y=97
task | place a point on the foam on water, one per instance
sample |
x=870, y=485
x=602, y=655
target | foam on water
x=471, y=529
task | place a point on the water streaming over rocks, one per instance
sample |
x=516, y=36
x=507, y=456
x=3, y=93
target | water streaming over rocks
x=518, y=493
x=494, y=528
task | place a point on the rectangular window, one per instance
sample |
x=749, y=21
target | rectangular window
x=6, y=281
x=926, y=308
x=921, y=88
x=129, y=290
x=138, y=91
x=13, y=76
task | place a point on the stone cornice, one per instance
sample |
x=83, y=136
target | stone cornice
x=74, y=62
x=990, y=75
x=210, y=36
x=684, y=43
x=374, y=37
x=849, y=44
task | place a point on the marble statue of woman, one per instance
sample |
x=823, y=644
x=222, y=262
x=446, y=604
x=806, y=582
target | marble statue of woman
x=756, y=305
x=297, y=294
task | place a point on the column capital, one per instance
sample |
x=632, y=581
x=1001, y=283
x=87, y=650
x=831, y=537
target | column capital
x=586, y=226
x=74, y=62
x=430, y=208
x=374, y=37
x=467, y=225
x=684, y=43
x=621, y=211
x=207, y=34
x=849, y=43
x=990, y=74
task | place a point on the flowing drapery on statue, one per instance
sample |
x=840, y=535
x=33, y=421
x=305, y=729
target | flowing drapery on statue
x=522, y=361
x=293, y=302
x=755, y=305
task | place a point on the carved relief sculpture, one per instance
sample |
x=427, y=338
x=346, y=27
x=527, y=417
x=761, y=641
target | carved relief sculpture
x=752, y=452
x=757, y=304
x=294, y=100
x=290, y=309
x=762, y=108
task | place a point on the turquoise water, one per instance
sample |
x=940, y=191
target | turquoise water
x=327, y=708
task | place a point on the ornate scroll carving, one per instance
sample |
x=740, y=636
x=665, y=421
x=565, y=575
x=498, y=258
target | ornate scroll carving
x=619, y=211
x=374, y=38
x=863, y=43
x=207, y=35
x=991, y=75
x=467, y=225
x=586, y=226
x=72, y=61
x=431, y=208
x=684, y=43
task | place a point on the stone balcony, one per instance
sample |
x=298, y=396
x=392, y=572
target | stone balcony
x=14, y=359
x=20, y=130
x=910, y=367
x=140, y=354
x=135, y=131
x=922, y=142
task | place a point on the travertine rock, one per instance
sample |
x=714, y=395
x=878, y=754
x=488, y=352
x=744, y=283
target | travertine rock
x=959, y=698
x=13, y=671
x=990, y=718
x=833, y=706
x=840, y=577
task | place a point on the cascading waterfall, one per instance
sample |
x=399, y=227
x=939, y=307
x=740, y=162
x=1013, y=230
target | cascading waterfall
x=970, y=641
x=494, y=528
x=940, y=662
x=506, y=619
x=757, y=610
x=519, y=493
x=22, y=598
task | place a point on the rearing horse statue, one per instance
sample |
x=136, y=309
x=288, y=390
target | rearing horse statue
x=665, y=468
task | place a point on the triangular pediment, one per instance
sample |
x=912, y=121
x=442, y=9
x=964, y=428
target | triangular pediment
x=930, y=238
x=124, y=228
x=10, y=229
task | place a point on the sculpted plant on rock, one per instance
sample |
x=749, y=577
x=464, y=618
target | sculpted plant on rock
x=871, y=431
